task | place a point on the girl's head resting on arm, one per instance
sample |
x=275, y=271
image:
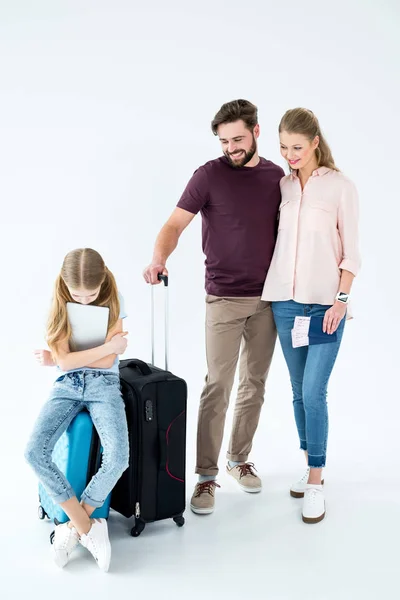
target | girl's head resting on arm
x=302, y=142
x=85, y=279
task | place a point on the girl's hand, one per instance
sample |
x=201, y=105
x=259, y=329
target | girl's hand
x=333, y=316
x=118, y=343
x=44, y=358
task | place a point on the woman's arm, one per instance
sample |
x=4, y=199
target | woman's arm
x=335, y=314
x=351, y=261
x=346, y=281
x=348, y=230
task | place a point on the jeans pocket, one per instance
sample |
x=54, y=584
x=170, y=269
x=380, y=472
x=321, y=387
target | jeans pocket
x=110, y=379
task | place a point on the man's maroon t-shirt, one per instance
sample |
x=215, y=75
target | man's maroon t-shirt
x=239, y=208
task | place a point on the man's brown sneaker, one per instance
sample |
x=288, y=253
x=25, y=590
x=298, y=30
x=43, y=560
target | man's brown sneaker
x=246, y=477
x=203, y=500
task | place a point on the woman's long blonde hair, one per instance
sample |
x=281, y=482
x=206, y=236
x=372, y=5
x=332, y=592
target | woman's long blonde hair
x=82, y=268
x=303, y=121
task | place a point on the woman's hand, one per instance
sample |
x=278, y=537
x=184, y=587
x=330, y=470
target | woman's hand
x=333, y=316
x=118, y=343
x=44, y=358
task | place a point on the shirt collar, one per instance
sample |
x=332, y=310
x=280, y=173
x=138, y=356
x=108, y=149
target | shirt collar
x=317, y=173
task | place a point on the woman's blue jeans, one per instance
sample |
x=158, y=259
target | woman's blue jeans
x=310, y=368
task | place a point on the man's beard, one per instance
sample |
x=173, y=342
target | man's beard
x=246, y=158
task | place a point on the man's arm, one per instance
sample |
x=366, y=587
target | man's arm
x=166, y=242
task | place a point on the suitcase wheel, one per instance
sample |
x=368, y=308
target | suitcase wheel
x=180, y=521
x=41, y=512
x=52, y=537
x=137, y=530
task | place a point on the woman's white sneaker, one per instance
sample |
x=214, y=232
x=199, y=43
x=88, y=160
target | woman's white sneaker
x=98, y=543
x=297, y=489
x=313, y=504
x=64, y=541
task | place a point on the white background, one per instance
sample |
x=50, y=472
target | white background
x=105, y=113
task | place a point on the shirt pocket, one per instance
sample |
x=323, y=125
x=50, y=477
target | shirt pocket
x=285, y=214
x=321, y=214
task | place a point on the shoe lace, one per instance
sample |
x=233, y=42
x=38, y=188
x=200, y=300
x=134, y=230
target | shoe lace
x=91, y=545
x=247, y=469
x=312, y=494
x=68, y=539
x=305, y=477
x=207, y=487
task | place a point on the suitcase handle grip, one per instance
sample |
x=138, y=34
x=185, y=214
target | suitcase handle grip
x=140, y=365
x=163, y=278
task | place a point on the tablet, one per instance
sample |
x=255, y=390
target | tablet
x=89, y=325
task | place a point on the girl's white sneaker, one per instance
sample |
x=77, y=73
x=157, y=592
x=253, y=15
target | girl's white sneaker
x=64, y=541
x=98, y=543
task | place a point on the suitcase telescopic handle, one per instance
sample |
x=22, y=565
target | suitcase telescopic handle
x=165, y=280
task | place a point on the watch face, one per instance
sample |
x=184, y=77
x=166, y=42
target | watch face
x=343, y=297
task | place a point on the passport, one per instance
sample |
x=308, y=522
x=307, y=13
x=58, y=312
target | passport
x=307, y=331
x=316, y=335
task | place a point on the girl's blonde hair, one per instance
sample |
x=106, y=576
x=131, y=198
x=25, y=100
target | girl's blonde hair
x=303, y=121
x=82, y=268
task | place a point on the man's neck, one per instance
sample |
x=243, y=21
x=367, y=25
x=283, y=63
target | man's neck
x=254, y=161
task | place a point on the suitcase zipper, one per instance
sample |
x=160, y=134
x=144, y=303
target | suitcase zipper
x=138, y=461
x=137, y=457
x=134, y=458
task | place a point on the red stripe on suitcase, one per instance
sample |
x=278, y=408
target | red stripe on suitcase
x=166, y=466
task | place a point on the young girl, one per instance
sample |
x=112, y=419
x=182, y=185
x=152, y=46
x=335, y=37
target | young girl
x=87, y=379
x=315, y=260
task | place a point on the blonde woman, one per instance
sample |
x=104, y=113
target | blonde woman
x=315, y=261
x=86, y=379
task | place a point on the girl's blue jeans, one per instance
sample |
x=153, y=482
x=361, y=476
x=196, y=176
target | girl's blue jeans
x=99, y=393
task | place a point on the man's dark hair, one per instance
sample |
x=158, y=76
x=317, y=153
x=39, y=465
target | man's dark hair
x=233, y=111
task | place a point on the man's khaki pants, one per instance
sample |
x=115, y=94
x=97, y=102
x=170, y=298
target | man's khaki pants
x=233, y=324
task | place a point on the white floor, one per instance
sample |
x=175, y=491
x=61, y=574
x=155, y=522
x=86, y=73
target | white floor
x=253, y=546
x=83, y=116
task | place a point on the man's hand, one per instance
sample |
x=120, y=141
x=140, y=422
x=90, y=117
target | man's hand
x=151, y=273
x=44, y=358
x=333, y=316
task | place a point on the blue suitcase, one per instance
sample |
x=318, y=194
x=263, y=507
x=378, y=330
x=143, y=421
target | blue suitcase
x=78, y=455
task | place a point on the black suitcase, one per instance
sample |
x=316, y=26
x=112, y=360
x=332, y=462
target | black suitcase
x=153, y=487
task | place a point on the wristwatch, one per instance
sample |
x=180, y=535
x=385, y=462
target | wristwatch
x=342, y=297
